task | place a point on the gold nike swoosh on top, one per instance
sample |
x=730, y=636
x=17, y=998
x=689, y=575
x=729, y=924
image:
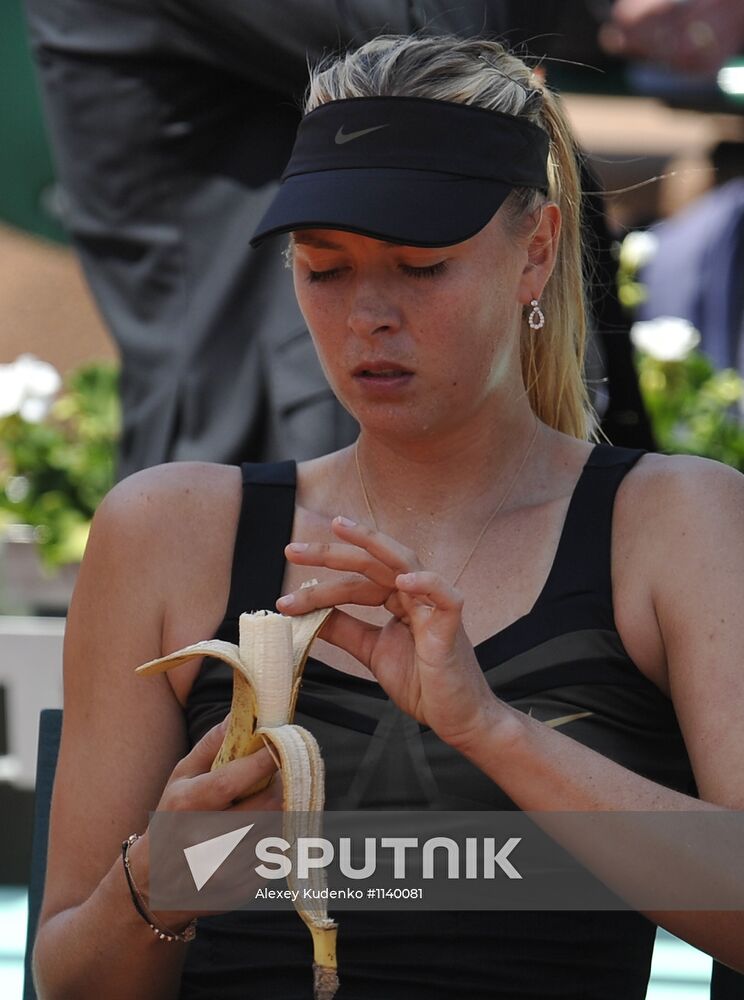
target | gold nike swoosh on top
x=561, y=720
x=342, y=137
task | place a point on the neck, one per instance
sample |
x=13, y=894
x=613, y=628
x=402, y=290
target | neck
x=416, y=489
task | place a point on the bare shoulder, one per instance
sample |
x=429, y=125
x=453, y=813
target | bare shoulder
x=180, y=521
x=185, y=489
x=678, y=540
x=669, y=497
x=691, y=514
x=169, y=513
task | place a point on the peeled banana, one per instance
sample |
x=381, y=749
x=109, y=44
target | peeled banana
x=267, y=669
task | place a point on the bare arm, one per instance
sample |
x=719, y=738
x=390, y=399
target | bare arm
x=123, y=738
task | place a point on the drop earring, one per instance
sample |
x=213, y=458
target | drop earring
x=536, y=318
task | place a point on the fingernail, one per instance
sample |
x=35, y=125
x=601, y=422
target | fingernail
x=298, y=546
x=285, y=602
x=406, y=578
x=345, y=522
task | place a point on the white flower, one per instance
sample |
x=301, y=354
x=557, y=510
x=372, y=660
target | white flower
x=17, y=489
x=27, y=387
x=667, y=338
x=637, y=249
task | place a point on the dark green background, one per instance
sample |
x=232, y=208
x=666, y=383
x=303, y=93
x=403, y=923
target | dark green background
x=26, y=171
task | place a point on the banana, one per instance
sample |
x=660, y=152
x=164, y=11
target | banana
x=267, y=670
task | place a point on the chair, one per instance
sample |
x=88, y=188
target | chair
x=50, y=730
x=725, y=983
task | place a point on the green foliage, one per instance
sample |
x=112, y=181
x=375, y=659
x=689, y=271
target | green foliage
x=636, y=249
x=54, y=473
x=694, y=408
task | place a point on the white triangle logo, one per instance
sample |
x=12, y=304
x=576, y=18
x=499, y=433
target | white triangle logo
x=205, y=858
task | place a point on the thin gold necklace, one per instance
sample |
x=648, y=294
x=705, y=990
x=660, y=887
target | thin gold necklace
x=491, y=516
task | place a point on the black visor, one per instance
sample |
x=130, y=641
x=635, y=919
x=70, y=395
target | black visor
x=404, y=169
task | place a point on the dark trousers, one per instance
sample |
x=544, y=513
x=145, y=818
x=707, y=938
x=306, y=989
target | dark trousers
x=171, y=121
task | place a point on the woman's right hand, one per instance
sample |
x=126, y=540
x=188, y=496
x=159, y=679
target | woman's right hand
x=193, y=787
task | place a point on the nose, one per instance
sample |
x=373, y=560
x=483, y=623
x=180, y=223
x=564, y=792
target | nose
x=372, y=309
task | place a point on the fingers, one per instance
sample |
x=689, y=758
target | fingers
x=218, y=790
x=269, y=799
x=432, y=588
x=433, y=604
x=333, y=592
x=374, y=563
x=367, y=551
x=349, y=633
x=370, y=559
x=202, y=754
x=389, y=552
x=379, y=572
x=348, y=558
x=343, y=590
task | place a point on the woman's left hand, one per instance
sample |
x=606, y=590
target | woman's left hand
x=421, y=657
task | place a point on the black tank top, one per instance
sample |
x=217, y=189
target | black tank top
x=564, y=657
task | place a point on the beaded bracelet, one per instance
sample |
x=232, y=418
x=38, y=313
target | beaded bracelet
x=187, y=934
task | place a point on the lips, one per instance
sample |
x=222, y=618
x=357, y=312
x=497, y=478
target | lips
x=380, y=379
x=381, y=369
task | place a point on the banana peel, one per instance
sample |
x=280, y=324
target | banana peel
x=267, y=664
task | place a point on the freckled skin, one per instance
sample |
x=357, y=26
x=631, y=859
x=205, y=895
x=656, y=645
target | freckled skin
x=465, y=318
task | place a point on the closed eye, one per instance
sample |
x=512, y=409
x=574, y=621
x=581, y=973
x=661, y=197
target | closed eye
x=328, y=275
x=424, y=272
x=429, y=271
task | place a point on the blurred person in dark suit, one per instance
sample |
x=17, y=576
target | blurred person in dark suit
x=171, y=123
x=696, y=269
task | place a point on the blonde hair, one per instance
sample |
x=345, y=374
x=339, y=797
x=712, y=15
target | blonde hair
x=482, y=72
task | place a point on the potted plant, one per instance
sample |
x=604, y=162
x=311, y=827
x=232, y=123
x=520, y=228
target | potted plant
x=694, y=409
x=57, y=454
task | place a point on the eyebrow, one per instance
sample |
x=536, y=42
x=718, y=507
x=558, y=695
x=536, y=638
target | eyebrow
x=307, y=239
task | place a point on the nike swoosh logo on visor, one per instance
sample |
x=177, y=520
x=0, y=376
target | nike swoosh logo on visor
x=342, y=137
x=562, y=720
